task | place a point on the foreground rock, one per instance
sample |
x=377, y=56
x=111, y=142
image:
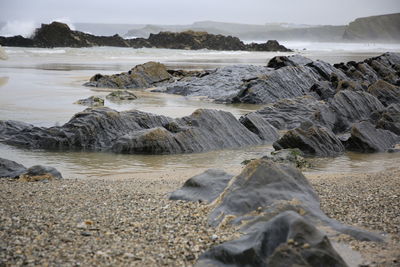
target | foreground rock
x=141, y=76
x=264, y=189
x=367, y=139
x=285, y=240
x=312, y=140
x=121, y=96
x=58, y=34
x=92, y=101
x=11, y=169
x=134, y=132
x=205, y=187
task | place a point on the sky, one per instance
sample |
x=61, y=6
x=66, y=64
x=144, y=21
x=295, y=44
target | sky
x=331, y=12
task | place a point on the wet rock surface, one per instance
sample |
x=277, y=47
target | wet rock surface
x=205, y=187
x=92, y=101
x=367, y=139
x=386, y=93
x=285, y=240
x=260, y=126
x=134, y=132
x=141, y=76
x=312, y=140
x=11, y=169
x=290, y=156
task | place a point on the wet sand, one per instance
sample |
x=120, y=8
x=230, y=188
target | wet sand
x=128, y=220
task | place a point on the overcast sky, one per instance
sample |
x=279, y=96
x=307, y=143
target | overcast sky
x=186, y=11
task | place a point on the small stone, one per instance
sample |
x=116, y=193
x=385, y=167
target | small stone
x=214, y=237
x=86, y=234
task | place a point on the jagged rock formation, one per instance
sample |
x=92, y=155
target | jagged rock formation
x=205, y=187
x=265, y=189
x=389, y=118
x=375, y=28
x=141, y=76
x=261, y=127
x=386, y=93
x=58, y=34
x=367, y=139
x=285, y=240
x=311, y=140
x=135, y=132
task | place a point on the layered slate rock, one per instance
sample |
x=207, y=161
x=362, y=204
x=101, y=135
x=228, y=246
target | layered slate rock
x=141, y=76
x=386, y=93
x=264, y=189
x=367, y=139
x=11, y=169
x=135, y=132
x=389, y=118
x=285, y=240
x=312, y=140
x=288, y=113
x=260, y=126
x=220, y=84
x=205, y=187
x=353, y=106
x=92, y=101
x=288, y=82
x=121, y=96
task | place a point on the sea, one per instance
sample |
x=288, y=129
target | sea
x=40, y=85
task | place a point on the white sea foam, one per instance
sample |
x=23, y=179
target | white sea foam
x=24, y=28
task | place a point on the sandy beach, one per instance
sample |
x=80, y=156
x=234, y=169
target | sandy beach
x=127, y=220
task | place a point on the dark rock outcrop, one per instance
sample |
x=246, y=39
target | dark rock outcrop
x=11, y=169
x=205, y=187
x=57, y=34
x=386, y=93
x=121, y=96
x=312, y=140
x=141, y=76
x=264, y=189
x=260, y=126
x=135, y=132
x=92, y=101
x=285, y=240
x=367, y=139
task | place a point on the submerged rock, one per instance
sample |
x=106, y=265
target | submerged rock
x=135, y=132
x=367, y=139
x=11, y=169
x=141, y=76
x=93, y=101
x=264, y=189
x=312, y=140
x=121, y=96
x=205, y=187
x=285, y=240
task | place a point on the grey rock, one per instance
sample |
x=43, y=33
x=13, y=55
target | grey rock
x=135, y=132
x=284, y=61
x=285, y=240
x=367, y=139
x=11, y=169
x=312, y=140
x=291, y=156
x=389, y=118
x=350, y=106
x=121, y=95
x=141, y=76
x=260, y=126
x=93, y=101
x=221, y=84
x=386, y=93
x=205, y=187
x=265, y=189
x=39, y=170
x=287, y=82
